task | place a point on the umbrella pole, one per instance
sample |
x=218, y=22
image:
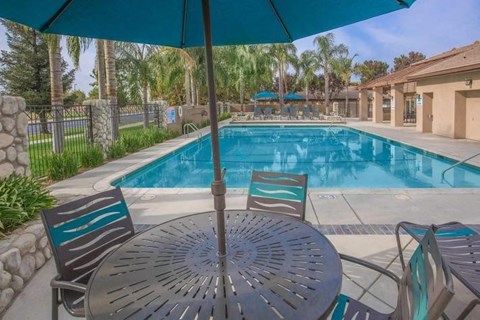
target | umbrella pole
x=218, y=185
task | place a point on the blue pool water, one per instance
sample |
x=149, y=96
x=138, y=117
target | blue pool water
x=333, y=157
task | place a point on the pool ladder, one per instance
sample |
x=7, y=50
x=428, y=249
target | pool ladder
x=457, y=164
x=193, y=128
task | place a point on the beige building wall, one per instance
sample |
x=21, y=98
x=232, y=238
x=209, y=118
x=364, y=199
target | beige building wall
x=455, y=105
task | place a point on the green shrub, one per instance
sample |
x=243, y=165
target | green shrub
x=91, y=157
x=62, y=166
x=224, y=116
x=132, y=143
x=20, y=200
x=117, y=150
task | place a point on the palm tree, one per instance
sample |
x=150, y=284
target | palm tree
x=283, y=55
x=136, y=60
x=307, y=65
x=100, y=66
x=344, y=68
x=327, y=51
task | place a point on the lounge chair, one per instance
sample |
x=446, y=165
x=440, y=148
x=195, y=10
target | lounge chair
x=306, y=112
x=459, y=247
x=284, y=113
x=81, y=234
x=424, y=289
x=257, y=112
x=279, y=192
x=267, y=113
x=315, y=112
x=293, y=113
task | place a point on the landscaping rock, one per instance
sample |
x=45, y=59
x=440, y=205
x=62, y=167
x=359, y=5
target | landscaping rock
x=23, y=159
x=17, y=283
x=11, y=259
x=22, y=123
x=5, y=278
x=5, y=140
x=24, y=243
x=10, y=105
x=8, y=124
x=11, y=153
x=27, y=267
x=37, y=230
x=39, y=260
x=5, y=298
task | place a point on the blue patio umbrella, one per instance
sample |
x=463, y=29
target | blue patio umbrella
x=293, y=96
x=265, y=95
x=193, y=23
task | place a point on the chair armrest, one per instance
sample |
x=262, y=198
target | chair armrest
x=69, y=285
x=372, y=266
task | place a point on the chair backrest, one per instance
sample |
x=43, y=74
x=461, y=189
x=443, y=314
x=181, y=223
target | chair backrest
x=257, y=111
x=306, y=110
x=84, y=231
x=278, y=192
x=316, y=112
x=268, y=111
x=284, y=111
x=293, y=111
x=426, y=286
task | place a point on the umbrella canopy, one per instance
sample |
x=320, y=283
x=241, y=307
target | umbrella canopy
x=293, y=96
x=178, y=23
x=265, y=95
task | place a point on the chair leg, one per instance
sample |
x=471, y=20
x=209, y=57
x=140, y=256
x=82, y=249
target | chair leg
x=468, y=309
x=399, y=246
x=55, y=304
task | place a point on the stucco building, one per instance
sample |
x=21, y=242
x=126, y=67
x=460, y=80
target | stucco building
x=442, y=92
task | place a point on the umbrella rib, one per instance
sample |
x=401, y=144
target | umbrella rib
x=280, y=20
x=184, y=23
x=403, y=3
x=54, y=17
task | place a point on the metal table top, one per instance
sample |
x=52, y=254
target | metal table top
x=276, y=268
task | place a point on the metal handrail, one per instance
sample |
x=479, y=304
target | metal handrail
x=192, y=126
x=458, y=163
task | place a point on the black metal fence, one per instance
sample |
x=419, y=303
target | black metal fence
x=56, y=129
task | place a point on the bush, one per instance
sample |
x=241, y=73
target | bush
x=224, y=116
x=62, y=166
x=117, y=150
x=132, y=143
x=20, y=200
x=92, y=157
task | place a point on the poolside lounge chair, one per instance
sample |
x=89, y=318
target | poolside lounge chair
x=293, y=113
x=306, y=112
x=280, y=192
x=267, y=113
x=315, y=112
x=459, y=247
x=284, y=113
x=257, y=112
x=424, y=289
x=81, y=234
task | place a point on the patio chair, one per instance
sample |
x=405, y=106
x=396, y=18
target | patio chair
x=458, y=245
x=293, y=113
x=306, y=112
x=284, y=113
x=423, y=291
x=316, y=112
x=257, y=112
x=279, y=192
x=267, y=114
x=81, y=234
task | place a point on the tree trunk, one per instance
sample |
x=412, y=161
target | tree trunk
x=112, y=86
x=346, y=102
x=280, y=84
x=327, y=90
x=101, y=70
x=193, y=89
x=56, y=84
x=188, y=94
x=306, y=93
x=145, y=107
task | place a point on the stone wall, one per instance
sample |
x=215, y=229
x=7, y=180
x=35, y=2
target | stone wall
x=21, y=254
x=13, y=137
x=100, y=127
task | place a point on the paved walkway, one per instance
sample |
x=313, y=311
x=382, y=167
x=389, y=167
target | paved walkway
x=358, y=221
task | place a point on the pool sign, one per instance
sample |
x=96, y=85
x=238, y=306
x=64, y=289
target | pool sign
x=171, y=115
x=419, y=100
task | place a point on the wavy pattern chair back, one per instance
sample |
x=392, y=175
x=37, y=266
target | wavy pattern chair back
x=278, y=192
x=426, y=286
x=84, y=231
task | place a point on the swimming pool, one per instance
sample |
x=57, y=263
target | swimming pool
x=332, y=156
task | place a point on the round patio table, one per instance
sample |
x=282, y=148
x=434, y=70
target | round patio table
x=276, y=267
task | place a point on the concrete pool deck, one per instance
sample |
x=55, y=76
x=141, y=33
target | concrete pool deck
x=358, y=221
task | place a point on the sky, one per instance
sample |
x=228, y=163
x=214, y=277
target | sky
x=429, y=26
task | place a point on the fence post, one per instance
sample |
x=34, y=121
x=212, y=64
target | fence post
x=115, y=119
x=58, y=133
x=90, y=124
x=101, y=123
